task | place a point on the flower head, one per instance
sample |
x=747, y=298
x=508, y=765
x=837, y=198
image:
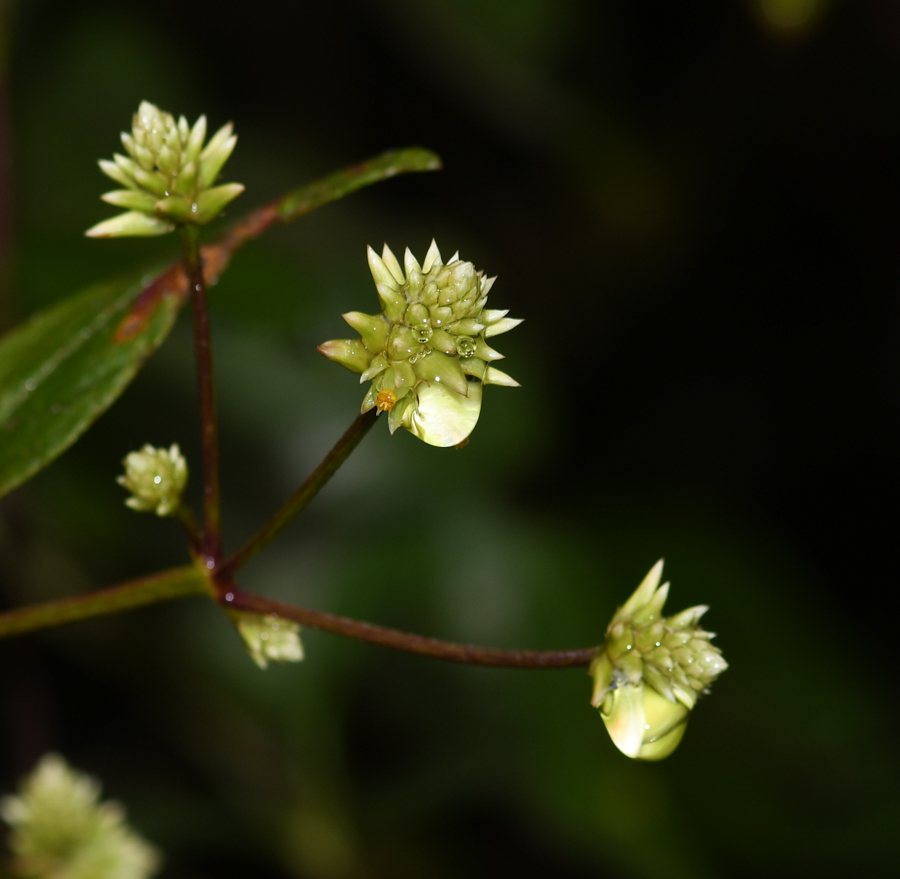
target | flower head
x=652, y=670
x=156, y=479
x=426, y=354
x=269, y=638
x=168, y=175
x=60, y=830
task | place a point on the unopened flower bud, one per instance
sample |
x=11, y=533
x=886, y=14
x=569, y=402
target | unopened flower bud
x=269, y=638
x=652, y=670
x=426, y=353
x=167, y=175
x=156, y=479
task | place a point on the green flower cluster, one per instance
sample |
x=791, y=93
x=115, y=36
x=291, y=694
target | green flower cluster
x=60, y=830
x=168, y=175
x=156, y=479
x=652, y=670
x=426, y=353
x=268, y=638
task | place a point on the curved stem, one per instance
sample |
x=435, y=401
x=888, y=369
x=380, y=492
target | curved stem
x=164, y=586
x=212, y=525
x=237, y=599
x=317, y=479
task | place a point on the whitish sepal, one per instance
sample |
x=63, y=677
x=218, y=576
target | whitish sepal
x=131, y=223
x=211, y=162
x=131, y=199
x=348, y=352
x=209, y=203
x=494, y=376
x=504, y=325
x=442, y=417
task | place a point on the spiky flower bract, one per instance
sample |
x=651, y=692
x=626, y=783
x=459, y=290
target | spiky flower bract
x=156, y=479
x=60, y=830
x=168, y=175
x=651, y=671
x=269, y=638
x=426, y=354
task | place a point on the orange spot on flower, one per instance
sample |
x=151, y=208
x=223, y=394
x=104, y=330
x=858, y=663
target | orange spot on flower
x=385, y=401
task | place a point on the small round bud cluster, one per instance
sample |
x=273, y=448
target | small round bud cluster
x=426, y=353
x=652, y=670
x=156, y=479
x=60, y=829
x=269, y=638
x=167, y=174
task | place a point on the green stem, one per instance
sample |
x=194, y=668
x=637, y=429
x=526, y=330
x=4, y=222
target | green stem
x=236, y=599
x=212, y=524
x=319, y=477
x=164, y=586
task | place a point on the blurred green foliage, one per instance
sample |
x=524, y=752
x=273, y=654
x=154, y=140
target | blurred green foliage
x=690, y=208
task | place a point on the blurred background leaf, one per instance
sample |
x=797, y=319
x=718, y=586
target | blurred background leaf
x=692, y=208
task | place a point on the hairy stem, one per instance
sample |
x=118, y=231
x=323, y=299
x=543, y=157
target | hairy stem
x=164, y=586
x=237, y=599
x=319, y=477
x=211, y=540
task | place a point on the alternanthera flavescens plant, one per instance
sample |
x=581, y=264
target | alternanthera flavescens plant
x=426, y=359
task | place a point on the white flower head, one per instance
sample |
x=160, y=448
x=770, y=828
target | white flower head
x=156, y=479
x=269, y=638
x=60, y=829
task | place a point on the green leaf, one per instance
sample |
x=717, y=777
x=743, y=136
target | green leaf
x=62, y=369
x=307, y=198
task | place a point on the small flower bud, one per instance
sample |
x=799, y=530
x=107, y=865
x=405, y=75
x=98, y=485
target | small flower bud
x=156, y=479
x=652, y=670
x=426, y=353
x=60, y=829
x=168, y=175
x=269, y=638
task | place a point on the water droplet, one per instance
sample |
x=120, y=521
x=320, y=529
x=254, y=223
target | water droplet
x=465, y=345
x=30, y=385
x=210, y=563
x=157, y=480
x=194, y=208
x=263, y=636
x=229, y=596
x=423, y=334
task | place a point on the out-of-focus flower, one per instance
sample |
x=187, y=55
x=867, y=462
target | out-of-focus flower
x=168, y=175
x=60, y=830
x=269, y=638
x=651, y=671
x=156, y=479
x=426, y=354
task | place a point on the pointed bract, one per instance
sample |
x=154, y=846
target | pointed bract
x=131, y=223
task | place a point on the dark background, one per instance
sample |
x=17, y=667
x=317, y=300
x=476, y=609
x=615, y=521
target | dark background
x=694, y=208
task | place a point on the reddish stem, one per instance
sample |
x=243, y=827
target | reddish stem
x=236, y=599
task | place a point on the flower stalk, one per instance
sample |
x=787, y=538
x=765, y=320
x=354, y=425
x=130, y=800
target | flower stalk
x=211, y=538
x=318, y=478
